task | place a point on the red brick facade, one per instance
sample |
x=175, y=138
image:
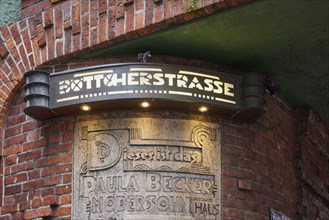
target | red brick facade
x=37, y=160
x=281, y=161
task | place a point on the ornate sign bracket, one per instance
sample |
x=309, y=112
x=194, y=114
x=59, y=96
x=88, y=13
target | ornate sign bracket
x=125, y=85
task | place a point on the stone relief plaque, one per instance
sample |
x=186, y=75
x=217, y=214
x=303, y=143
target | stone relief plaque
x=147, y=168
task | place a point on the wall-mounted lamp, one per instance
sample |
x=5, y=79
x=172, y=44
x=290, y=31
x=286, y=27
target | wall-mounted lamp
x=271, y=86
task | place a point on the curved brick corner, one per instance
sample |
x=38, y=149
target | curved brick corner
x=274, y=162
x=258, y=163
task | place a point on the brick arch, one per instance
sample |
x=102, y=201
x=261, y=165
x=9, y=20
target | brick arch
x=76, y=26
x=62, y=30
x=55, y=32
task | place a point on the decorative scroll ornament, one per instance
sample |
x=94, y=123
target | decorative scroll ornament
x=201, y=136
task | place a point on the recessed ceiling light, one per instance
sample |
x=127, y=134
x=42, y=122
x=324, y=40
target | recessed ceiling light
x=203, y=108
x=85, y=107
x=145, y=104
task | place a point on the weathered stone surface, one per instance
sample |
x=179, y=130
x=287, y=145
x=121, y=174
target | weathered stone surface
x=10, y=11
x=147, y=168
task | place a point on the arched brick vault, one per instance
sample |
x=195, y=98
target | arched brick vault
x=60, y=31
x=77, y=26
x=51, y=33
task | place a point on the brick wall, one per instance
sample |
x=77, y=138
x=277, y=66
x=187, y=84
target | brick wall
x=258, y=165
x=279, y=162
x=313, y=166
x=37, y=160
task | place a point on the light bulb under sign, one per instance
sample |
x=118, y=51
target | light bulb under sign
x=85, y=107
x=203, y=109
x=145, y=104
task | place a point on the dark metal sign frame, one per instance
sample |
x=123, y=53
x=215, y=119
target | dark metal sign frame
x=123, y=85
